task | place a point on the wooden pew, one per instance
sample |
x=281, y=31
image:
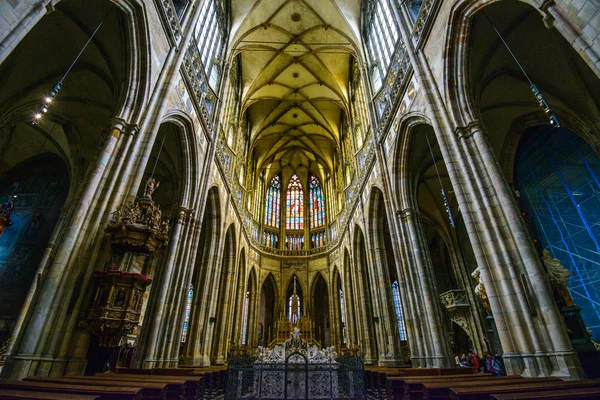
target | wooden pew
x=399, y=386
x=441, y=390
x=150, y=390
x=105, y=392
x=575, y=393
x=192, y=386
x=9, y=394
x=485, y=392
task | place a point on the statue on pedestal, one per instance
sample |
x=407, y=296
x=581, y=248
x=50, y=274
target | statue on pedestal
x=151, y=186
x=480, y=291
x=558, y=276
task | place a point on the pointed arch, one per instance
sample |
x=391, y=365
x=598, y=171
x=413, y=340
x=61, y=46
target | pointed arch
x=273, y=203
x=317, y=203
x=294, y=209
x=268, y=307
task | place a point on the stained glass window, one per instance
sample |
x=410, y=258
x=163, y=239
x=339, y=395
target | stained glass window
x=273, y=202
x=295, y=205
x=317, y=239
x=317, y=203
x=381, y=37
x=294, y=242
x=343, y=316
x=245, y=326
x=294, y=308
x=399, y=311
x=188, y=309
x=271, y=239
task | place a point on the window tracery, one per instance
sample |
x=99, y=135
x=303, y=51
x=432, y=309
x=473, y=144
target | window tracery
x=399, y=310
x=188, y=309
x=317, y=203
x=210, y=39
x=381, y=35
x=273, y=202
x=295, y=205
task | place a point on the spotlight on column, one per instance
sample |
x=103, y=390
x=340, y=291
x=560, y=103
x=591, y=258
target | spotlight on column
x=544, y=104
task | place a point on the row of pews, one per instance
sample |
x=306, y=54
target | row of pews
x=126, y=384
x=466, y=384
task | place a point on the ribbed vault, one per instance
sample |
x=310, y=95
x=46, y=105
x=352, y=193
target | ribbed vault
x=295, y=58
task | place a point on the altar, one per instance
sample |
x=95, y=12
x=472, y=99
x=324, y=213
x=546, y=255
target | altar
x=295, y=369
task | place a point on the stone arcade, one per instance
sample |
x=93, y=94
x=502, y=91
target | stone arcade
x=381, y=175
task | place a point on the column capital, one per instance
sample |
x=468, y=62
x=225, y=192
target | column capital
x=407, y=212
x=124, y=126
x=185, y=215
x=466, y=131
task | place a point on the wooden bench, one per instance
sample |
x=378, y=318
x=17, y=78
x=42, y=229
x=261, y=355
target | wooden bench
x=575, y=393
x=485, y=392
x=150, y=390
x=105, y=392
x=397, y=387
x=192, y=386
x=11, y=394
x=441, y=390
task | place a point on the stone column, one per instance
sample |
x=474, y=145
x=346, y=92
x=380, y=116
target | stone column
x=529, y=325
x=37, y=335
x=150, y=344
x=437, y=350
x=533, y=337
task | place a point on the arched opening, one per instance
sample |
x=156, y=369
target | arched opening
x=295, y=306
x=202, y=278
x=339, y=334
x=223, y=317
x=392, y=310
x=368, y=319
x=557, y=177
x=242, y=298
x=266, y=320
x=94, y=89
x=321, y=311
x=249, y=313
x=100, y=86
x=41, y=184
x=348, y=300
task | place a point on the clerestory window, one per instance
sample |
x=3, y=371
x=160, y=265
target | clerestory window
x=380, y=30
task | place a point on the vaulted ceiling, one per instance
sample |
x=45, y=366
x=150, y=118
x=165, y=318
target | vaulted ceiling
x=295, y=58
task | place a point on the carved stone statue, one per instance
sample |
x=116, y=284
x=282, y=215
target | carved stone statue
x=558, y=276
x=151, y=186
x=480, y=291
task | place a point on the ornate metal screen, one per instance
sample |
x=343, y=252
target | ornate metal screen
x=295, y=370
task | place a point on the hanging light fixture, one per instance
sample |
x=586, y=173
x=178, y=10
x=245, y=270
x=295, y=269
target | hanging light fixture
x=554, y=121
x=49, y=98
x=444, y=196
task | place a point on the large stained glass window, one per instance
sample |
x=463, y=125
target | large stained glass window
x=188, y=309
x=295, y=205
x=245, y=326
x=317, y=203
x=273, y=202
x=271, y=239
x=399, y=311
x=294, y=242
x=343, y=316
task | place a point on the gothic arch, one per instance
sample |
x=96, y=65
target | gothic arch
x=403, y=154
x=268, y=310
x=365, y=297
x=203, y=270
x=224, y=299
x=457, y=71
